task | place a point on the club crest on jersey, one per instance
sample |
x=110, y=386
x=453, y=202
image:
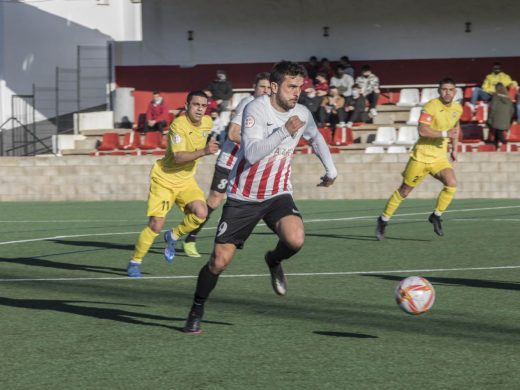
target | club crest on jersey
x=454, y=114
x=176, y=139
x=249, y=121
x=205, y=133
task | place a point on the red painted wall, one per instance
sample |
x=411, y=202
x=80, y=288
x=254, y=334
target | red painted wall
x=429, y=71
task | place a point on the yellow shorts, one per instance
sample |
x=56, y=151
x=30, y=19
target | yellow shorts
x=416, y=171
x=161, y=198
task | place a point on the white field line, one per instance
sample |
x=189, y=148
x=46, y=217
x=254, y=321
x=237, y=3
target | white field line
x=306, y=221
x=346, y=273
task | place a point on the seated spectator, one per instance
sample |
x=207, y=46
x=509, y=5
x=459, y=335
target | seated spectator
x=156, y=114
x=501, y=112
x=355, y=107
x=344, y=61
x=485, y=93
x=312, y=101
x=342, y=81
x=221, y=90
x=369, y=84
x=331, y=110
x=326, y=68
x=321, y=85
x=312, y=67
x=212, y=104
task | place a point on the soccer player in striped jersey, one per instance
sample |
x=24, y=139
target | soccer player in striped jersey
x=259, y=185
x=438, y=123
x=226, y=159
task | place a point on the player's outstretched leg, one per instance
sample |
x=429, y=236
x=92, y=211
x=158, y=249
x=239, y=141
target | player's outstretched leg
x=436, y=221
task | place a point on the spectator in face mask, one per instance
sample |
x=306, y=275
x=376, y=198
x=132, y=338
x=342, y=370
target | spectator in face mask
x=310, y=99
x=331, y=110
x=369, y=84
x=156, y=114
x=355, y=107
x=221, y=90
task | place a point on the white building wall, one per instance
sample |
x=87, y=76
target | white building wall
x=38, y=36
x=238, y=31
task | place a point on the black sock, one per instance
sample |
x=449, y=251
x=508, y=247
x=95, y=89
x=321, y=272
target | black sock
x=281, y=252
x=192, y=236
x=206, y=282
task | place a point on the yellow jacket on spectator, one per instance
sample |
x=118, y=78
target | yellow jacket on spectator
x=494, y=78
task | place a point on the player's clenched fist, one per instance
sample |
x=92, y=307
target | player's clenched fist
x=212, y=146
x=294, y=124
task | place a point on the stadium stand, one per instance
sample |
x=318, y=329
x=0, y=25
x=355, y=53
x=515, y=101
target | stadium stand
x=396, y=149
x=109, y=142
x=374, y=149
x=514, y=133
x=428, y=94
x=413, y=119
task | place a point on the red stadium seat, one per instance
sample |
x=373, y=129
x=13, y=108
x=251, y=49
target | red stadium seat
x=509, y=148
x=513, y=91
x=342, y=136
x=486, y=148
x=158, y=152
x=481, y=112
x=302, y=142
x=117, y=153
x=468, y=91
x=334, y=150
x=109, y=141
x=467, y=114
x=464, y=148
x=152, y=140
x=472, y=133
x=514, y=133
x=327, y=134
x=131, y=141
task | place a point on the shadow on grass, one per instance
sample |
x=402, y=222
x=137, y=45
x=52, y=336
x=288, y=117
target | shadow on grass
x=459, y=282
x=345, y=334
x=38, y=262
x=113, y=314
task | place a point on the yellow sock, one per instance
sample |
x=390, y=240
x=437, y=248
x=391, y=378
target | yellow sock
x=188, y=224
x=445, y=198
x=392, y=204
x=144, y=242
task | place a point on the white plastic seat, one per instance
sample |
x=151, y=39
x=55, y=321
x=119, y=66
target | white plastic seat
x=374, y=149
x=396, y=149
x=428, y=94
x=459, y=95
x=413, y=119
x=385, y=136
x=407, y=136
x=408, y=97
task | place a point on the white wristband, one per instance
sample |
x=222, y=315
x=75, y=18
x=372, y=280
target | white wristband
x=444, y=134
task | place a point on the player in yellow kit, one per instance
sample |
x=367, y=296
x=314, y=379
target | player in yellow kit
x=172, y=181
x=438, y=123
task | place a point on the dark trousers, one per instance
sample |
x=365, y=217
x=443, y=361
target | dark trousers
x=332, y=118
x=159, y=126
x=372, y=99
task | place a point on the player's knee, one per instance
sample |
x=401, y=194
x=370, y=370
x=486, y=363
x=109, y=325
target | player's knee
x=295, y=242
x=451, y=182
x=156, y=224
x=405, y=191
x=218, y=264
x=199, y=217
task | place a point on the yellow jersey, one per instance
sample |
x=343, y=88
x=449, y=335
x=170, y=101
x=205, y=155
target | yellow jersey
x=183, y=136
x=441, y=118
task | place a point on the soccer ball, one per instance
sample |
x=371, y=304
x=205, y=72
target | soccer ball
x=415, y=295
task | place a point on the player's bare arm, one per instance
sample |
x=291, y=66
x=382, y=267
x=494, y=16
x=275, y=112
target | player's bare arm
x=455, y=141
x=234, y=133
x=184, y=157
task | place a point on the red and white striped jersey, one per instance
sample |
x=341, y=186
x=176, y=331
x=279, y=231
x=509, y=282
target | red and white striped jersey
x=256, y=181
x=229, y=150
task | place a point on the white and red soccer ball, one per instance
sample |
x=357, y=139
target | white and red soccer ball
x=415, y=295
